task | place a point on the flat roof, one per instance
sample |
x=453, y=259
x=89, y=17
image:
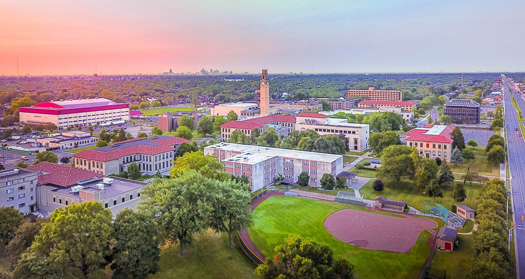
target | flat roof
x=119, y=186
x=237, y=105
x=270, y=151
x=73, y=104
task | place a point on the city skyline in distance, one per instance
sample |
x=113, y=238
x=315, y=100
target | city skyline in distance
x=295, y=36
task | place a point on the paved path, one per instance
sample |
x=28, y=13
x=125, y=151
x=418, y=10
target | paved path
x=359, y=159
x=475, y=228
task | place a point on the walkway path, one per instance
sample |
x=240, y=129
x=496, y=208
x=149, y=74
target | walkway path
x=475, y=228
x=359, y=159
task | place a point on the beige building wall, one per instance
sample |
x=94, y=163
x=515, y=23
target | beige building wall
x=357, y=137
x=223, y=110
x=265, y=93
x=376, y=95
x=38, y=118
x=406, y=108
x=75, y=119
x=432, y=149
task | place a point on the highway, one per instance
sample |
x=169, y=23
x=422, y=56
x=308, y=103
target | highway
x=516, y=151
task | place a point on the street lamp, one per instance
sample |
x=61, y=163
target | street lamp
x=510, y=236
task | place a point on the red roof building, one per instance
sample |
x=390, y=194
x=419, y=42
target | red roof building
x=61, y=175
x=150, y=154
x=432, y=141
x=282, y=124
x=404, y=105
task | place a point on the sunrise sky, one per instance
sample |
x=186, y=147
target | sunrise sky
x=138, y=36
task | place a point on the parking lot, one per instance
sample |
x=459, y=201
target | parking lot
x=480, y=136
x=10, y=159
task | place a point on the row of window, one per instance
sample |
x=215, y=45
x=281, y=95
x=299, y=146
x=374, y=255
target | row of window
x=434, y=153
x=20, y=196
x=11, y=182
x=12, y=190
x=428, y=145
x=335, y=131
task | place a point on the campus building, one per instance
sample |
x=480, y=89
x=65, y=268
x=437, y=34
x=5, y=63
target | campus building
x=68, y=140
x=241, y=109
x=60, y=186
x=432, y=141
x=404, y=105
x=263, y=164
x=407, y=115
x=18, y=189
x=376, y=95
x=356, y=134
x=282, y=124
x=463, y=111
x=150, y=154
x=342, y=104
x=73, y=113
x=169, y=121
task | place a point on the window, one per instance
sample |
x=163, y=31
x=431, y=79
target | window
x=54, y=199
x=123, y=199
x=10, y=198
x=445, y=147
x=21, y=196
x=21, y=180
x=420, y=144
x=60, y=201
x=433, y=145
x=428, y=145
x=31, y=197
x=9, y=183
x=31, y=189
x=22, y=205
x=130, y=197
x=106, y=205
x=67, y=202
x=21, y=188
x=9, y=191
x=439, y=146
x=410, y=143
x=115, y=202
x=433, y=153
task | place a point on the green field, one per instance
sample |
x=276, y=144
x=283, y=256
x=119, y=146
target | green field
x=75, y=151
x=153, y=112
x=357, y=153
x=469, y=225
x=414, y=196
x=209, y=257
x=279, y=217
x=458, y=262
x=349, y=159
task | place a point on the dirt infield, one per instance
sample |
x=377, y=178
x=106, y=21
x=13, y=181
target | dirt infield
x=376, y=231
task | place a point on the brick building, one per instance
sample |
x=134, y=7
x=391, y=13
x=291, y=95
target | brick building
x=432, y=141
x=376, y=95
x=463, y=111
x=18, y=189
x=282, y=124
x=168, y=121
x=404, y=105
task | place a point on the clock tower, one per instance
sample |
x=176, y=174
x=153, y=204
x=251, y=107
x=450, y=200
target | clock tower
x=265, y=93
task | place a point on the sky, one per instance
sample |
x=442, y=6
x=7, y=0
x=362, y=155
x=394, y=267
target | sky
x=309, y=36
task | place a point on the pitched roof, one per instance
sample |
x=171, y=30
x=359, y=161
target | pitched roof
x=447, y=234
x=147, y=146
x=61, y=175
x=464, y=207
x=392, y=103
x=258, y=122
x=384, y=200
x=428, y=134
x=313, y=115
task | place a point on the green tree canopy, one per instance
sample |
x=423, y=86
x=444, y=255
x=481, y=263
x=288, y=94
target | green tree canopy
x=468, y=154
x=455, y=157
x=219, y=120
x=184, y=148
x=446, y=119
x=205, y=126
x=472, y=143
x=426, y=173
x=396, y=163
x=496, y=155
x=268, y=138
x=458, y=139
x=10, y=220
x=446, y=177
x=328, y=181
x=142, y=135
x=207, y=165
x=134, y=171
x=186, y=121
x=101, y=143
x=459, y=192
x=303, y=179
x=184, y=132
x=380, y=141
x=232, y=116
x=46, y=156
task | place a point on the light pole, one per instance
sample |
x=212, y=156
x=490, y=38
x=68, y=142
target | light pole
x=510, y=234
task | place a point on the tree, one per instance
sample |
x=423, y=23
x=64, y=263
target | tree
x=180, y=207
x=306, y=144
x=23, y=239
x=26, y=129
x=144, y=105
x=21, y=164
x=157, y=131
x=433, y=190
x=79, y=128
x=302, y=259
x=65, y=160
x=205, y=126
x=446, y=178
x=219, y=120
x=134, y=171
x=142, y=135
x=472, y=143
x=456, y=157
x=498, y=122
x=326, y=106
x=184, y=132
x=68, y=128
x=496, y=155
x=10, y=220
x=104, y=136
x=254, y=135
x=328, y=181
x=157, y=174
x=341, y=182
x=331, y=144
x=121, y=136
x=458, y=139
x=136, y=252
x=155, y=104
x=426, y=173
x=378, y=185
x=232, y=116
x=459, y=192
x=493, y=142
x=430, y=120
x=185, y=148
x=268, y=138
x=380, y=141
x=438, y=161
x=90, y=130
x=446, y=119
x=239, y=137
x=76, y=239
x=101, y=143
x=186, y=121
x=303, y=179
x=396, y=163
x=468, y=154
x=46, y=156
x=207, y=165
x=129, y=136
x=17, y=104
x=231, y=207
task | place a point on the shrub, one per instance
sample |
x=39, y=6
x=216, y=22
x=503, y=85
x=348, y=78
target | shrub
x=367, y=164
x=378, y=185
x=438, y=161
x=360, y=166
x=472, y=143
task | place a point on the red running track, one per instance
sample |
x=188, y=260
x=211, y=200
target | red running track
x=376, y=231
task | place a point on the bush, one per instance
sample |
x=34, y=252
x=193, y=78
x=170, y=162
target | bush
x=360, y=166
x=367, y=164
x=454, y=208
x=378, y=185
x=472, y=143
x=438, y=162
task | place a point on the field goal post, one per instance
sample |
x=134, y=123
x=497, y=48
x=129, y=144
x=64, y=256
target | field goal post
x=436, y=210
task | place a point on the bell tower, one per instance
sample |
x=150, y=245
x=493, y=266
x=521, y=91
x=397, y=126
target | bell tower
x=265, y=93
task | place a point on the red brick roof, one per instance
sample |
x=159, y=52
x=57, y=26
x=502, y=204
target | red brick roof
x=313, y=115
x=61, y=175
x=391, y=103
x=419, y=135
x=258, y=122
x=102, y=155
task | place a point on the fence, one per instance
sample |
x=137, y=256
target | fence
x=249, y=252
x=350, y=198
x=254, y=198
x=430, y=258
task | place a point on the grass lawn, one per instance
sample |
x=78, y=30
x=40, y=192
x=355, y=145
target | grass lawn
x=458, y=262
x=144, y=177
x=364, y=172
x=153, y=112
x=357, y=153
x=349, y=159
x=479, y=150
x=75, y=151
x=315, y=189
x=208, y=258
x=469, y=225
x=414, y=196
x=279, y=217
x=484, y=168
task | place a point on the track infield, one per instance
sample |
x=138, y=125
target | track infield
x=375, y=231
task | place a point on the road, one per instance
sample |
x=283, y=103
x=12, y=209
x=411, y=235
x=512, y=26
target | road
x=516, y=167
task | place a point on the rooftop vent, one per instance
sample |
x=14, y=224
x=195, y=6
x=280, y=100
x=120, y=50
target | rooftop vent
x=100, y=186
x=108, y=180
x=75, y=189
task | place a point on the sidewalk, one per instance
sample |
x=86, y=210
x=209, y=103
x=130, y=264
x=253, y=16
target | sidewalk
x=359, y=159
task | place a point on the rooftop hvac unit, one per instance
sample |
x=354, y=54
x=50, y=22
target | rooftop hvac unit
x=100, y=186
x=75, y=189
x=107, y=180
